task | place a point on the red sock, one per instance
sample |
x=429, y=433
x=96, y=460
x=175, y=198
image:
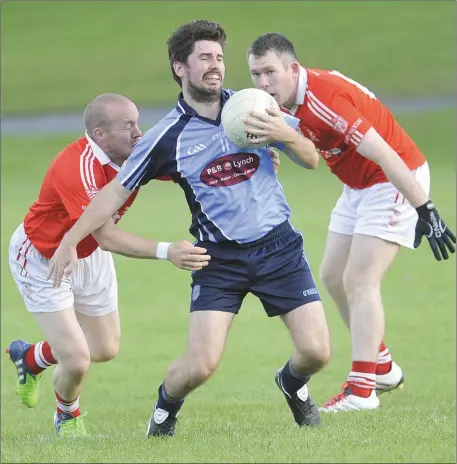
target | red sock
x=384, y=362
x=69, y=407
x=39, y=357
x=362, y=378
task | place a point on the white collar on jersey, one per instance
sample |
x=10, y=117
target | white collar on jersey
x=301, y=89
x=302, y=84
x=98, y=152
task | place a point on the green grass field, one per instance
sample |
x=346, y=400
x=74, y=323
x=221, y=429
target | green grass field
x=59, y=55
x=56, y=56
x=240, y=416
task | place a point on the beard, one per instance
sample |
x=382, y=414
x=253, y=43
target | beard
x=202, y=94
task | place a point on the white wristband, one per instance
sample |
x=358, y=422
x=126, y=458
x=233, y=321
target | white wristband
x=162, y=250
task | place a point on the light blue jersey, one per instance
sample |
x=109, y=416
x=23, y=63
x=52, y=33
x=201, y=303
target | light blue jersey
x=233, y=193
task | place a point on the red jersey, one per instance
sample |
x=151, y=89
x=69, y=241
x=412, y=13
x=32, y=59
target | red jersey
x=72, y=180
x=335, y=112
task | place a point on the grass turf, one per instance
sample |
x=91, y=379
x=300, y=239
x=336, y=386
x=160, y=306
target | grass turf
x=56, y=56
x=239, y=415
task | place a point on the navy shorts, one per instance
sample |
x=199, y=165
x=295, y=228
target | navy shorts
x=273, y=268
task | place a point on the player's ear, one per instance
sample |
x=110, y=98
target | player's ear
x=295, y=65
x=98, y=134
x=179, y=68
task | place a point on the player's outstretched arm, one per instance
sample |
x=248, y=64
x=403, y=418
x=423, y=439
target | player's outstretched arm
x=182, y=254
x=272, y=127
x=429, y=223
x=100, y=209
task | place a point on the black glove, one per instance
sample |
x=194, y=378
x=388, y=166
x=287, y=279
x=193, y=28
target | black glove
x=432, y=226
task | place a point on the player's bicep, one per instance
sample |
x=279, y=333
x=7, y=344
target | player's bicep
x=374, y=147
x=145, y=161
x=117, y=192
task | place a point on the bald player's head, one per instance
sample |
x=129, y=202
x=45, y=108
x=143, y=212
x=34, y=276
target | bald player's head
x=99, y=112
x=111, y=120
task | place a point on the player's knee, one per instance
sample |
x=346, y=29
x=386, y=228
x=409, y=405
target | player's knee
x=331, y=279
x=105, y=353
x=323, y=355
x=314, y=352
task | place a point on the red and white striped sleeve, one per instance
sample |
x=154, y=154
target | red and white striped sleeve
x=340, y=116
x=78, y=180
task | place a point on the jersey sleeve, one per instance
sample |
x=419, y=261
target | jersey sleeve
x=152, y=156
x=77, y=186
x=292, y=122
x=342, y=119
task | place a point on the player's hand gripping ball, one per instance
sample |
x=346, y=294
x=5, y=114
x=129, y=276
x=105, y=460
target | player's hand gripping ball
x=236, y=110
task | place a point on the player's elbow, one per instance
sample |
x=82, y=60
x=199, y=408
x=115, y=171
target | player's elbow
x=104, y=244
x=311, y=162
x=304, y=160
x=314, y=162
x=309, y=158
x=103, y=240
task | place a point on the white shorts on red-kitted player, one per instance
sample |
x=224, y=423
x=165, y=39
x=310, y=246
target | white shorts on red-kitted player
x=379, y=211
x=91, y=288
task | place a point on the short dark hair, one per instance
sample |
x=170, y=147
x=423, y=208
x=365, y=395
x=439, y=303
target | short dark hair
x=272, y=41
x=182, y=41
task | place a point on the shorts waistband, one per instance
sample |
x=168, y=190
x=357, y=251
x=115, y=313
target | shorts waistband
x=274, y=233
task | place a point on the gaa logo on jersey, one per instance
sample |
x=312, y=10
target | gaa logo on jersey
x=340, y=125
x=230, y=169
